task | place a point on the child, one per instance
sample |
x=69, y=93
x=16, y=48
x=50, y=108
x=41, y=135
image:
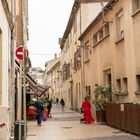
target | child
x=82, y=116
x=44, y=114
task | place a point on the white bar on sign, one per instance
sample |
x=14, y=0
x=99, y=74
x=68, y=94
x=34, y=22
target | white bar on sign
x=20, y=53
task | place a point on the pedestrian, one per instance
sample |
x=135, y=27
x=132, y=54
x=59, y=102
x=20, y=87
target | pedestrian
x=39, y=109
x=45, y=113
x=57, y=101
x=51, y=100
x=62, y=104
x=86, y=108
x=49, y=106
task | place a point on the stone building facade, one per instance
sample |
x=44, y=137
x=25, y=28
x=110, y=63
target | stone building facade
x=112, y=56
x=11, y=37
x=82, y=14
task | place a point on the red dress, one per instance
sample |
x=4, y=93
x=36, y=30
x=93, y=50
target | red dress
x=87, y=112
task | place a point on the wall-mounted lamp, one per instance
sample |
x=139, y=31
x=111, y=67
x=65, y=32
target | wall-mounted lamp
x=78, y=58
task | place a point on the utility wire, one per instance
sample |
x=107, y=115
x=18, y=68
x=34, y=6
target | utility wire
x=44, y=53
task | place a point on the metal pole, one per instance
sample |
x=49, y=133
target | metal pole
x=20, y=100
x=24, y=92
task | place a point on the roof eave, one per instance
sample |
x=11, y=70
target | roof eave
x=110, y=4
x=75, y=7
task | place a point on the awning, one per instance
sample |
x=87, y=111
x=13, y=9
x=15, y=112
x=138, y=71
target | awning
x=36, y=88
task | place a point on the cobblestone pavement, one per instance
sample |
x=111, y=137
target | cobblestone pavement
x=66, y=126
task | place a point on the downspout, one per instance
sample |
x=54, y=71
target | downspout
x=80, y=19
x=24, y=25
x=13, y=69
x=82, y=57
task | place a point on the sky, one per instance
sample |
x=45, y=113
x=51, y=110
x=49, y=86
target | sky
x=47, y=22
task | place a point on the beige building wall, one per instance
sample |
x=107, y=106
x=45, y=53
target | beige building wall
x=80, y=18
x=0, y=67
x=6, y=60
x=6, y=25
x=114, y=57
x=54, y=78
x=5, y=36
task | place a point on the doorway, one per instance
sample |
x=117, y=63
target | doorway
x=108, y=81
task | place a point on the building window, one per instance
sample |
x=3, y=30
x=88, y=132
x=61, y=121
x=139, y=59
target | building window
x=125, y=85
x=106, y=29
x=138, y=82
x=101, y=34
x=135, y=5
x=119, y=26
x=107, y=77
x=80, y=91
x=86, y=51
x=0, y=67
x=64, y=71
x=77, y=59
x=68, y=70
x=95, y=39
x=118, y=85
x=88, y=90
x=75, y=23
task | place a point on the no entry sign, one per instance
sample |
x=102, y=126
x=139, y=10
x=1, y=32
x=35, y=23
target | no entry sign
x=20, y=52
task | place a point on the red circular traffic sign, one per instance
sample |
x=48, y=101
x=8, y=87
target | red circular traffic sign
x=20, y=53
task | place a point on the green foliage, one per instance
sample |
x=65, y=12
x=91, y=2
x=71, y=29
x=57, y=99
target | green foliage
x=40, y=71
x=101, y=97
x=31, y=102
x=43, y=100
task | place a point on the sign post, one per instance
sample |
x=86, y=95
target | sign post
x=20, y=102
x=24, y=90
x=21, y=54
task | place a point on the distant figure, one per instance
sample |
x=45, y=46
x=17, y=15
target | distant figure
x=39, y=109
x=62, y=104
x=86, y=108
x=57, y=101
x=51, y=100
x=49, y=106
x=44, y=113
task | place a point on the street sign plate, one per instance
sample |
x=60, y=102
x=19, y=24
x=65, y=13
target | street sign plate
x=20, y=53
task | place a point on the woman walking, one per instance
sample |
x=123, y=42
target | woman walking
x=86, y=108
x=62, y=104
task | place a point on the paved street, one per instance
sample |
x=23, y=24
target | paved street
x=66, y=126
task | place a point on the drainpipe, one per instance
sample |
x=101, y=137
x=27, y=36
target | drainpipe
x=13, y=70
x=82, y=60
x=24, y=18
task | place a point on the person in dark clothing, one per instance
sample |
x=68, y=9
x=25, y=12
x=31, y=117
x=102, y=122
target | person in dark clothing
x=49, y=106
x=39, y=109
x=57, y=101
x=62, y=104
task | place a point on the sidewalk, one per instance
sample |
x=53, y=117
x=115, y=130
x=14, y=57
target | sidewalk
x=66, y=126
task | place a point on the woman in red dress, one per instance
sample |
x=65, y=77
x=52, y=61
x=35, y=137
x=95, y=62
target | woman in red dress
x=87, y=112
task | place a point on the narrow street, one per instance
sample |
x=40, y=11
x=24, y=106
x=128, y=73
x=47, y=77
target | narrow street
x=66, y=126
